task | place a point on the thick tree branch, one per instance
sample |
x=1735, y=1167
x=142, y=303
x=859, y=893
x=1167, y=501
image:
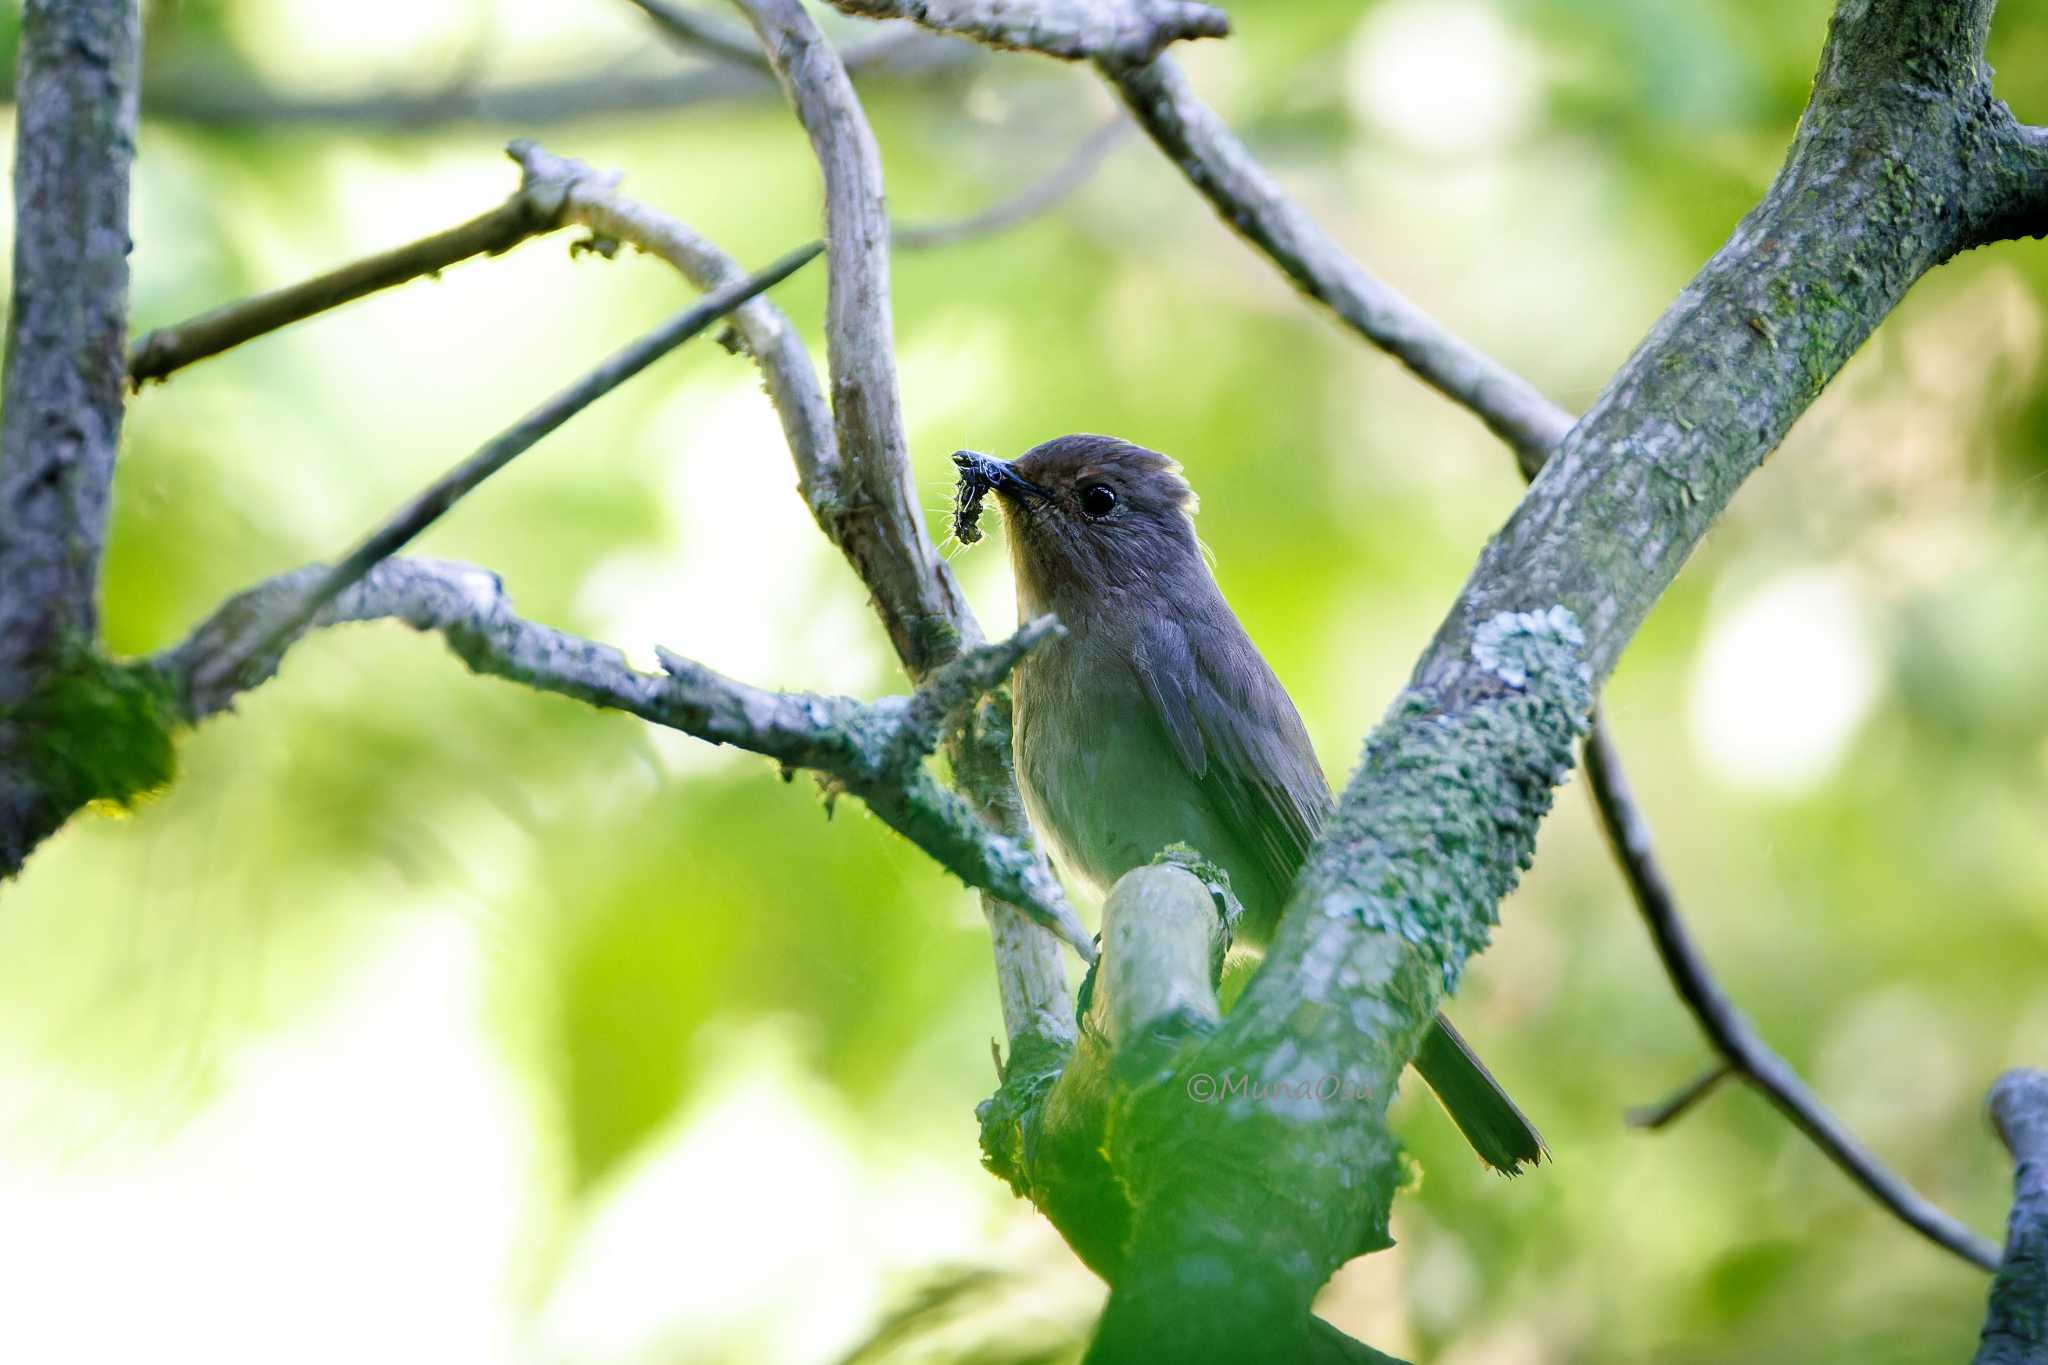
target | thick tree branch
x=67, y=320
x=877, y=523
x=225, y=669
x=1745, y=1052
x=1439, y=820
x=1248, y=199
x=874, y=750
x=1122, y=30
x=74, y=140
x=2016, y=1321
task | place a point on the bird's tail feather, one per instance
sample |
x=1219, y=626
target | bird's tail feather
x=1497, y=1130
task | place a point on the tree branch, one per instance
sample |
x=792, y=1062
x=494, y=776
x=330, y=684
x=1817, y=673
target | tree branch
x=225, y=669
x=877, y=523
x=699, y=32
x=233, y=101
x=1248, y=200
x=1123, y=30
x=1436, y=825
x=884, y=534
x=61, y=423
x=2016, y=1320
x=1745, y=1053
x=1253, y=205
x=1031, y=977
x=770, y=338
x=1027, y=203
x=875, y=750
x=533, y=209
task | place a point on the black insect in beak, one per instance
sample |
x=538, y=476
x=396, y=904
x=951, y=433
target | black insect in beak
x=979, y=475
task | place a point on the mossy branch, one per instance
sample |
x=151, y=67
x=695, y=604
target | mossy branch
x=2016, y=1320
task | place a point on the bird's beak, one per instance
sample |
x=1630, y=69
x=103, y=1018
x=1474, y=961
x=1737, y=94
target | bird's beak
x=998, y=475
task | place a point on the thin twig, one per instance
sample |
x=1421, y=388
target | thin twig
x=875, y=750
x=1730, y=1032
x=695, y=31
x=2016, y=1319
x=422, y=510
x=226, y=100
x=594, y=201
x=1027, y=203
x=1072, y=30
x=533, y=209
x=1680, y=1102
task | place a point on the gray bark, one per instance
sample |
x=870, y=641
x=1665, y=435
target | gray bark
x=1903, y=158
x=67, y=325
x=2016, y=1320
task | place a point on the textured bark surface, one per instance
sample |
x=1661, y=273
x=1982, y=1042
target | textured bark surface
x=2016, y=1322
x=877, y=523
x=1228, y=1217
x=67, y=327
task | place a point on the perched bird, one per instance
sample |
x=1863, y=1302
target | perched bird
x=1155, y=720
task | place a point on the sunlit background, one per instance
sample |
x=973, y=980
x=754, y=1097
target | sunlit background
x=425, y=1019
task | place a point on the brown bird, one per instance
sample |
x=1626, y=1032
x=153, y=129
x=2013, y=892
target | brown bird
x=1155, y=720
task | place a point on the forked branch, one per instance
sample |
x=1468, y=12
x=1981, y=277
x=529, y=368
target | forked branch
x=874, y=750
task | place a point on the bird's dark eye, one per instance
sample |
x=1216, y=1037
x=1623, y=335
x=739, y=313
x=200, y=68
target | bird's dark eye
x=1098, y=500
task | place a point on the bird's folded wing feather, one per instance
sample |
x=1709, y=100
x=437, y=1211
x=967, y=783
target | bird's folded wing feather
x=1238, y=734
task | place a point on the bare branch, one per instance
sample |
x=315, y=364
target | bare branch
x=921, y=606
x=1681, y=1101
x=534, y=208
x=1252, y=205
x=1027, y=203
x=74, y=140
x=60, y=418
x=2016, y=1321
x=1163, y=941
x=699, y=32
x=1747, y=1055
x=875, y=750
x=224, y=670
x=1123, y=30
x=230, y=100
x=877, y=522
x=593, y=200
x=1434, y=828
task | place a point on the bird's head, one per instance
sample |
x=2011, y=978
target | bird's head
x=1090, y=517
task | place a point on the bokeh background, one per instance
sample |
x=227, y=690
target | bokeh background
x=427, y=1019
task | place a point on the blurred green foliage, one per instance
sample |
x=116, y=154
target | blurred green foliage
x=648, y=936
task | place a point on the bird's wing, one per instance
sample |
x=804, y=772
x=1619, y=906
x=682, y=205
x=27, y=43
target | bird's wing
x=1238, y=734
